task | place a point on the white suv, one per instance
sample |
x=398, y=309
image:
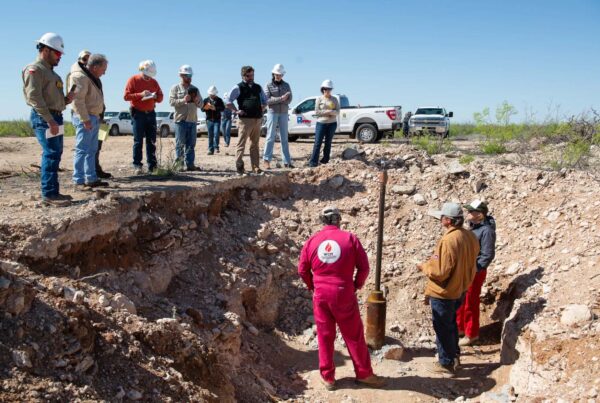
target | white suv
x=118, y=123
x=430, y=120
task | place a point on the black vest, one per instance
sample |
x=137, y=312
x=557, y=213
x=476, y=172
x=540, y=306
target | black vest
x=249, y=100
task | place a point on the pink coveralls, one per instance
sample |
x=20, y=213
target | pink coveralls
x=327, y=265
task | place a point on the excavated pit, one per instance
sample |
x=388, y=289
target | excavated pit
x=187, y=293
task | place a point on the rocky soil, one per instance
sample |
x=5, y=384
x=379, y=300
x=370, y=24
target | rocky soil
x=185, y=288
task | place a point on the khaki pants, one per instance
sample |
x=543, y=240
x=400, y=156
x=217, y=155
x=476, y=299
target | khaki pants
x=248, y=128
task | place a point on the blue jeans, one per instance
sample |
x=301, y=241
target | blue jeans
x=86, y=145
x=446, y=330
x=323, y=131
x=226, y=130
x=213, y=127
x=185, y=142
x=275, y=120
x=144, y=126
x=52, y=149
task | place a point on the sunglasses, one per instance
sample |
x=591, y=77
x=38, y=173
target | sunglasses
x=57, y=53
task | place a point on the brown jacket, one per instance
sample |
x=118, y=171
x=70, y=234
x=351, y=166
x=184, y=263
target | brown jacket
x=452, y=267
x=89, y=99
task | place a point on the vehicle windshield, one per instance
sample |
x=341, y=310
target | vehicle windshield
x=108, y=115
x=162, y=114
x=429, y=111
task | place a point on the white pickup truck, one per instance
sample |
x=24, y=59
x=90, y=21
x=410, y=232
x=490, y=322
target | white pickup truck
x=366, y=123
x=430, y=120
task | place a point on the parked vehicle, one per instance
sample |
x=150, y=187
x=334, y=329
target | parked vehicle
x=202, y=129
x=366, y=123
x=165, y=123
x=430, y=120
x=118, y=123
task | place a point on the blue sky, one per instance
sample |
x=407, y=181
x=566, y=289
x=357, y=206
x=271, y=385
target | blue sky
x=539, y=55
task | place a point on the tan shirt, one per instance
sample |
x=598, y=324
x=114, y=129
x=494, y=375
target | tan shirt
x=43, y=89
x=184, y=111
x=324, y=104
x=452, y=267
x=88, y=99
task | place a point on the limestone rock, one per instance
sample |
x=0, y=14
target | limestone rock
x=121, y=302
x=22, y=358
x=419, y=199
x=575, y=314
x=403, y=189
x=336, y=182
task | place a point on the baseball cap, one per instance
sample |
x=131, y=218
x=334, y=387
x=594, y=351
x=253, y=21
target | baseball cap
x=477, y=205
x=449, y=210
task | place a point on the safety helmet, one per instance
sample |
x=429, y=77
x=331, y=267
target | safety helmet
x=53, y=41
x=278, y=69
x=327, y=84
x=83, y=54
x=330, y=214
x=186, y=69
x=148, y=68
x=212, y=90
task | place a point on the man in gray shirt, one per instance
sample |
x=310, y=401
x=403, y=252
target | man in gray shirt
x=185, y=98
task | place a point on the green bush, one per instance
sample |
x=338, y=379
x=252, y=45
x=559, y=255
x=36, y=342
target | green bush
x=466, y=159
x=432, y=144
x=493, y=147
x=22, y=128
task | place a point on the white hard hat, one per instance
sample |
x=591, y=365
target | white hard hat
x=148, y=68
x=212, y=90
x=278, y=69
x=226, y=95
x=83, y=54
x=186, y=69
x=327, y=84
x=53, y=41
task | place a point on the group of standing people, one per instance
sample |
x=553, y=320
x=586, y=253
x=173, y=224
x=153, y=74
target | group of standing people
x=333, y=265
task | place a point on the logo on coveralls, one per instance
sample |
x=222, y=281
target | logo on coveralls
x=329, y=251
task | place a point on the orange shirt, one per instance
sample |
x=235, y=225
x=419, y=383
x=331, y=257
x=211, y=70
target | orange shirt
x=134, y=88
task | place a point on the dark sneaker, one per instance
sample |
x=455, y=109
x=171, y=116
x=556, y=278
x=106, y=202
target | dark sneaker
x=56, y=201
x=193, y=168
x=289, y=166
x=96, y=184
x=328, y=385
x=372, y=381
x=211, y=152
x=217, y=151
x=103, y=175
x=439, y=369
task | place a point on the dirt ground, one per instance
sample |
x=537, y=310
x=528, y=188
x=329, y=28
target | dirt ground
x=188, y=283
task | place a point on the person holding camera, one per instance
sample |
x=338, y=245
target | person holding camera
x=212, y=106
x=185, y=99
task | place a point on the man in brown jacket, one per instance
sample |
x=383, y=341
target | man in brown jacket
x=450, y=271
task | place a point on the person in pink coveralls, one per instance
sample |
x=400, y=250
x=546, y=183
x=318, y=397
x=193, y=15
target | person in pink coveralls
x=327, y=263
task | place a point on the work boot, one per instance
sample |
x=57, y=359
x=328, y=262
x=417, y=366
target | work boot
x=102, y=175
x=193, y=168
x=63, y=197
x=266, y=164
x=138, y=170
x=56, y=200
x=96, y=184
x=439, y=369
x=372, y=381
x=456, y=364
x=468, y=341
x=289, y=166
x=257, y=170
x=328, y=385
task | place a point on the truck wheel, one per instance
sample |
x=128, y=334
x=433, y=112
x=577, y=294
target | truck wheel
x=366, y=133
x=114, y=130
x=164, y=131
x=292, y=138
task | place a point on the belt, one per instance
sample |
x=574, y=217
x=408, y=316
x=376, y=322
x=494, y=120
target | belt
x=137, y=110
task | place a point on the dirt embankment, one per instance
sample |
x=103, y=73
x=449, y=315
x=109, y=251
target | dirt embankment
x=186, y=288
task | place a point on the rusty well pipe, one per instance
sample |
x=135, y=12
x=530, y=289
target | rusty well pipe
x=376, y=303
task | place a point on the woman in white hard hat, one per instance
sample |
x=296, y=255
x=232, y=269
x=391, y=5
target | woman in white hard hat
x=327, y=108
x=279, y=96
x=213, y=106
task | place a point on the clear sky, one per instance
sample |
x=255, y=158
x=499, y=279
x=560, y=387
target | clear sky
x=461, y=54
